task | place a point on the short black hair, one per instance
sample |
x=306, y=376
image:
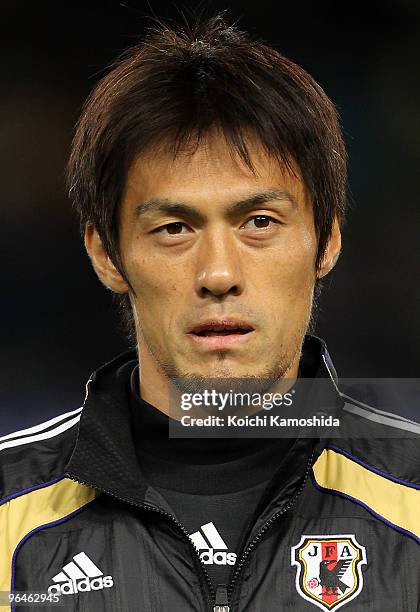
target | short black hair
x=175, y=86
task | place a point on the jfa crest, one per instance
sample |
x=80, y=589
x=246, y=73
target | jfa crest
x=329, y=573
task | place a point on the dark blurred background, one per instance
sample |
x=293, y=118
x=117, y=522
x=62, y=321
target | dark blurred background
x=58, y=322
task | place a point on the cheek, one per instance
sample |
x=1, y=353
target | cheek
x=292, y=266
x=154, y=280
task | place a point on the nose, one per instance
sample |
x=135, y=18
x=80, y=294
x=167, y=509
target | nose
x=219, y=270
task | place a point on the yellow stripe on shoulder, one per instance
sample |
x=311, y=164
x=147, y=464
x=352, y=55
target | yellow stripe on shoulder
x=394, y=503
x=40, y=507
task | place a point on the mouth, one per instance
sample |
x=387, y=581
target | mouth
x=221, y=328
x=218, y=334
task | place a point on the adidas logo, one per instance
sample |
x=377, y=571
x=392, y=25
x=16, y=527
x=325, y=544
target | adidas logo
x=213, y=547
x=80, y=575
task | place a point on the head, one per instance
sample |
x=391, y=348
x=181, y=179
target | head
x=209, y=173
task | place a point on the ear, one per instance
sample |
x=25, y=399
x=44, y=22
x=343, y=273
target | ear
x=102, y=264
x=332, y=252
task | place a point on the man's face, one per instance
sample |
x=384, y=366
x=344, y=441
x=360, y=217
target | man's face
x=204, y=242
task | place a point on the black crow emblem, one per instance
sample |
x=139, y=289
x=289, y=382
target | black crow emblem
x=330, y=573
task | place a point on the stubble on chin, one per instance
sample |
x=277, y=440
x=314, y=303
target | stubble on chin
x=222, y=377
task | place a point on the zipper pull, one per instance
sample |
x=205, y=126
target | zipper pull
x=221, y=601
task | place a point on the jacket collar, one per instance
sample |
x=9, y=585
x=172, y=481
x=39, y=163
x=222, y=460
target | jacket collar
x=104, y=455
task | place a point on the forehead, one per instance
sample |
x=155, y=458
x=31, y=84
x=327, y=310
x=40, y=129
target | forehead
x=212, y=172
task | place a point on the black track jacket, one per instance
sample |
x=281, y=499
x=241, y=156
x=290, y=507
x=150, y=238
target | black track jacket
x=339, y=527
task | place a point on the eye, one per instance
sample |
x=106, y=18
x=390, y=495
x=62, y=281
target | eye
x=260, y=222
x=171, y=228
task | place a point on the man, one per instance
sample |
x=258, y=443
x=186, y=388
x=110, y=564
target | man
x=209, y=173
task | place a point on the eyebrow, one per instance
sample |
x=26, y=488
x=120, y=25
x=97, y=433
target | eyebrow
x=165, y=205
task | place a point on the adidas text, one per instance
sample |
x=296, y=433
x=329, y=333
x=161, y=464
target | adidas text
x=84, y=584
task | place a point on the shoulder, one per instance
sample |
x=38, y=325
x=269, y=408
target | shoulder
x=37, y=455
x=376, y=464
x=382, y=439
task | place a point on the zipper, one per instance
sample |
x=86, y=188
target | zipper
x=245, y=555
x=180, y=526
x=221, y=600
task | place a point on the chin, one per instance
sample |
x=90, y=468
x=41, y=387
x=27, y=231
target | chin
x=231, y=373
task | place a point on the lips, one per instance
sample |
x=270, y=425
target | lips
x=221, y=328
